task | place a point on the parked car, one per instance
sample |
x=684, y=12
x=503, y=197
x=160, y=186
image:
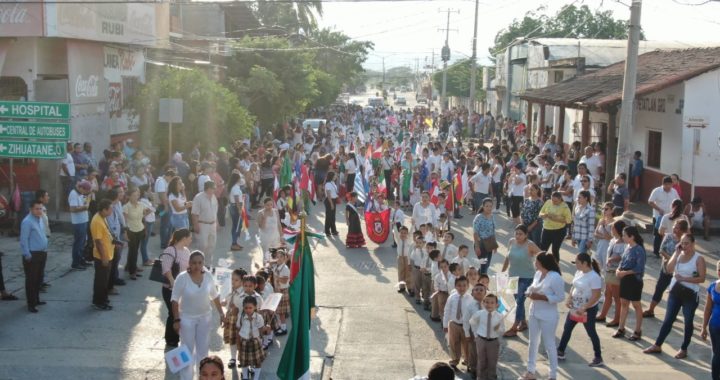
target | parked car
x=400, y=101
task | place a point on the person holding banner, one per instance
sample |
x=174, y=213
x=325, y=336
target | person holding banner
x=355, y=237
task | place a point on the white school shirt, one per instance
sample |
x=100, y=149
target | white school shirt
x=250, y=327
x=450, y=312
x=398, y=216
x=553, y=287
x=239, y=296
x=267, y=290
x=403, y=249
x=479, y=321
x=451, y=283
x=350, y=166
x=440, y=281
x=449, y=251
x=424, y=215
x=283, y=271
x=468, y=311
x=429, y=237
x=418, y=257
x=194, y=300
x=331, y=190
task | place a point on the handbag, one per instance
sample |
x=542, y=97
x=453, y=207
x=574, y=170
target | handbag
x=156, y=274
x=683, y=293
x=579, y=318
x=490, y=244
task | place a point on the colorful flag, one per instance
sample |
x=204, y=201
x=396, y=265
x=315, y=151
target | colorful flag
x=276, y=190
x=377, y=225
x=245, y=222
x=295, y=361
x=285, y=172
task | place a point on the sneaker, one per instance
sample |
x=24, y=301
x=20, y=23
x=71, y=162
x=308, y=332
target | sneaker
x=103, y=307
x=561, y=355
x=78, y=267
x=597, y=362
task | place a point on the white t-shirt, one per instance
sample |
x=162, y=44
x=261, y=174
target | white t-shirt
x=593, y=164
x=663, y=200
x=446, y=169
x=284, y=271
x=583, y=285
x=331, y=190
x=181, y=199
x=194, y=300
x=201, y=181
x=497, y=177
x=481, y=183
x=161, y=185
x=76, y=199
x=70, y=163
x=235, y=191
x=518, y=189
x=350, y=166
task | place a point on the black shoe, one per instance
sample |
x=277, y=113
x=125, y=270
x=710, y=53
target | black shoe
x=103, y=307
x=173, y=345
x=119, y=282
x=401, y=290
x=78, y=267
x=232, y=363
x=435, y=319
x=9, y=297
x=394, y=245
x=32, y=309
x=45, y=285
x=42, y=303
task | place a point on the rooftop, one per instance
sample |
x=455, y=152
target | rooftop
x=602, y=88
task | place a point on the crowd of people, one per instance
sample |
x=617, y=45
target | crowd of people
x=415, y=161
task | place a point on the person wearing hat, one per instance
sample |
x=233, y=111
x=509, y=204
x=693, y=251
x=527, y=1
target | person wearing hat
x=204, y=220
x=79, y=202
x=698, y=216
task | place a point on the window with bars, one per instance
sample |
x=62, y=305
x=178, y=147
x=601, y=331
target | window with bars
x=13, y=88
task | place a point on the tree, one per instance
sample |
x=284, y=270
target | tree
x=398, y=76
x=212, y=114
x=294, y=16
x=458, y=80
x=569, y=22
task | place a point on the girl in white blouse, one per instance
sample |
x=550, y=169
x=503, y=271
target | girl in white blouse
x=546, y=291
x=250, y=326
x=191, y=295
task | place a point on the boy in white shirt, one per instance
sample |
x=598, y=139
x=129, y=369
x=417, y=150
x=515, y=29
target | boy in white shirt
x=397, y=218
x=439, y=298
x=453, y=319
x=404, y=249
x=487, y=325
x=421, y=265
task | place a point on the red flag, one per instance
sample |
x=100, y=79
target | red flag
x=434, y=193
x=459, y=191
x=378, y=225
x=276, y=190
x=306, y=182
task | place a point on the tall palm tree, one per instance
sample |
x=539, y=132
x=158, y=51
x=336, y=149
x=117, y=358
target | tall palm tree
x=294, y=16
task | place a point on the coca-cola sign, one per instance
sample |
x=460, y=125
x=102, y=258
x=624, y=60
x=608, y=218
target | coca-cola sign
x=18, y=19
x=86, y=87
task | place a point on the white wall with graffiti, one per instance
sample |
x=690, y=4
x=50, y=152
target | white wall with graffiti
x=124, y=69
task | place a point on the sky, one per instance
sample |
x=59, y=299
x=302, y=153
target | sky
x=406, y=32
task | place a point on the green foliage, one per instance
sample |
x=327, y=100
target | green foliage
x=291, y=15
x=458, y=80
x=212, y=114
x=570, y=22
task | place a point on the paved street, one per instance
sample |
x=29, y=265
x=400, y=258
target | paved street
x=364, y=329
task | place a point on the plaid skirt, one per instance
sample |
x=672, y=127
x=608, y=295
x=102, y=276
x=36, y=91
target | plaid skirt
x=284, y=306
x=230, y=331
x=250, y=353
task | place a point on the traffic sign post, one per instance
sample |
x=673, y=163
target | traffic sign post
x=34, y=130
x=34, y=110
x=27, y=149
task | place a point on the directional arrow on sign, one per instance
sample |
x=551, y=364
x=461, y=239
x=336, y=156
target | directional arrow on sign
x=3, y=148
x=4, y=109
x=2, y=128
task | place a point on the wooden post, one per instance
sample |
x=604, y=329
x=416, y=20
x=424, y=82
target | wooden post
x=610, y=157
x=560, y=133
x=541, y=122
x=585, y=129
x=528, y=130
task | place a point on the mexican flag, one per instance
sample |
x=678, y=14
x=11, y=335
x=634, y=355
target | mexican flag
x=286, y=172
x=295, y=361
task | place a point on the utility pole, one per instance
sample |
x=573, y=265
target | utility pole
x=628, y=97
x=445, y=56
x=473, y=62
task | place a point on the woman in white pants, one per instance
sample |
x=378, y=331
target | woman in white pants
x=191, y=295
x=546, y=291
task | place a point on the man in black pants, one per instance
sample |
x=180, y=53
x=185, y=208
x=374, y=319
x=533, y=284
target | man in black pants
x=34, y=244
x=102, y=255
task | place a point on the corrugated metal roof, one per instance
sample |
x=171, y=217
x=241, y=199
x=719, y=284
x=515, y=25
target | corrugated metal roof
x=656, y=70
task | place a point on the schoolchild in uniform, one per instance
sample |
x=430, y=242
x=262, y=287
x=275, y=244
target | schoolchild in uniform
x=404, y=248
x=443, y=225
x=439, y=298
x=448, y=249
x=397, y=218
x=455, y=272
x=231, y=317
x=488, y=325
x=266, y=290
x=421, y=265
x=282, y=285
x=250, y=326
x=453, y=321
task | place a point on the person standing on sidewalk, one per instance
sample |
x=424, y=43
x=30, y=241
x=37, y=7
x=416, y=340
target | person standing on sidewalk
x=711, y=321
x=134, y=212
x=34, y=244
x=161, y=189
x=204, y=218
x=661, y=200
x=79, y=203
x=102, y=255
x=116, y=224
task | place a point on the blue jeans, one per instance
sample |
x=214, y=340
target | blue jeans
x=523, y=284
x=673, y=308
x=589, y=328
x=144, y=242
x=165, y=229
x=715, y=340
x=236, y=225
x=477, y=200
x=497, y=192
x=582, y=246
x=662, y=284
x=79, y=239
x=178, y=221
x=484, y=255
x=535, y=235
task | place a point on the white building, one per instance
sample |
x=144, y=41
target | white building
x=676, y=119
